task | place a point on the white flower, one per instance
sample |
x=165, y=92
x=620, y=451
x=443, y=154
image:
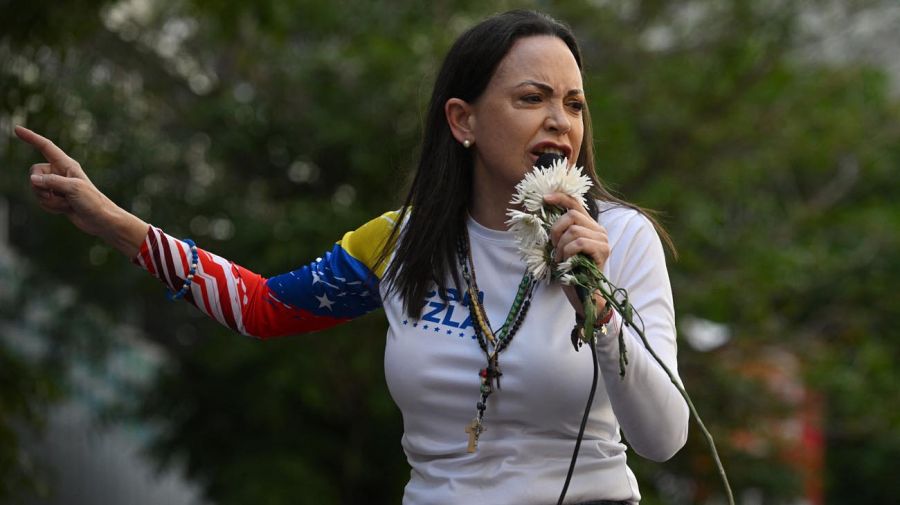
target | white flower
x=530, y=226
x=557, y=178
x=564, y=267
x=528, y=229
x=536, y=261
x=567, y=279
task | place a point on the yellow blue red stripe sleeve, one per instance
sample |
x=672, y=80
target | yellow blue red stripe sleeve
x=339, y=286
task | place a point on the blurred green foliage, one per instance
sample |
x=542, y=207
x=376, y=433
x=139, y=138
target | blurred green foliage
x=266, y=129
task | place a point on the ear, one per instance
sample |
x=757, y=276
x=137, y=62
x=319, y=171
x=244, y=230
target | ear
x=461, y=119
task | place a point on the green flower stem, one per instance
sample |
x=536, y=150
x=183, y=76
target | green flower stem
x=589, y=276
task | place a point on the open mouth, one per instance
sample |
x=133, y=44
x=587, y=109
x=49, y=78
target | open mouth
x=548, y=149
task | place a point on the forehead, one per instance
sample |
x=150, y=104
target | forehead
x=543, y=58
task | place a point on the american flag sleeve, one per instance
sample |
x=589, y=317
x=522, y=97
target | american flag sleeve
x=339, y=286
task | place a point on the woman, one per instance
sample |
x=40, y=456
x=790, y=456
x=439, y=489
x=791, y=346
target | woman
x=509, y=90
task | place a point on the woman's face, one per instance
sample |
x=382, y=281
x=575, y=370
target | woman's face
x=532, y=105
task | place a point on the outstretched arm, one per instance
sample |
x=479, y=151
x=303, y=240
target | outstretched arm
x=341, y=285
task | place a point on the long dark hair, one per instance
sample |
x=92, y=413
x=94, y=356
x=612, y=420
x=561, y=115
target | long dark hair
x=441, y=190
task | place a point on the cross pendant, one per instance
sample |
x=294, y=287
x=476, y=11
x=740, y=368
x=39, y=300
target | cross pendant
x=474, y=430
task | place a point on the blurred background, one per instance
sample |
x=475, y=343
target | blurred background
x=767, y=133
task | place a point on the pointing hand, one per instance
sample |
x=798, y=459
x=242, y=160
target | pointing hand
x=62, y=187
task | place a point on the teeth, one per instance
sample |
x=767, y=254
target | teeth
x=551, y=151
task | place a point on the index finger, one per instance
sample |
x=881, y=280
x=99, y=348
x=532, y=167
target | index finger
x=564, y=200
x=51, y=152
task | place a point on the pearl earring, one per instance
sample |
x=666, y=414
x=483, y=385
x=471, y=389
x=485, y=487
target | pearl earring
x=467, y=143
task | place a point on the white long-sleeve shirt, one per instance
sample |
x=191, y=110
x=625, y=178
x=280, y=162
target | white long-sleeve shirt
x=531, y=424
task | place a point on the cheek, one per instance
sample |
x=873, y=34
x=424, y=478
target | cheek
x=504, y=135
x=577, y=140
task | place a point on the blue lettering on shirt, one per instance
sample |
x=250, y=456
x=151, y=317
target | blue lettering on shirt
x=440, y=310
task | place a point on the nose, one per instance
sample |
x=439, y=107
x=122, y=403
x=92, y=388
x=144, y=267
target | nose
x=557, y=121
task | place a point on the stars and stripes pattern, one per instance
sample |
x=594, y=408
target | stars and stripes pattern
x=341, y=285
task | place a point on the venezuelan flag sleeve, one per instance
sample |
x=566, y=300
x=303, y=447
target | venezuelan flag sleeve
x=340, y=285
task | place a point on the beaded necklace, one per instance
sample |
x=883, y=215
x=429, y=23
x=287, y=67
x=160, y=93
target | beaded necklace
x=491, y=342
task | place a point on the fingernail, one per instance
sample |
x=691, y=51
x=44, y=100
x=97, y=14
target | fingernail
x=37, y=179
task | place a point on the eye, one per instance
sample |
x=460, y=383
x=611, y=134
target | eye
x=533, y=98
x=576, y=105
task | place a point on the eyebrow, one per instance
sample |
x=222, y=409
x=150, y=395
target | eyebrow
x=548, y=88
